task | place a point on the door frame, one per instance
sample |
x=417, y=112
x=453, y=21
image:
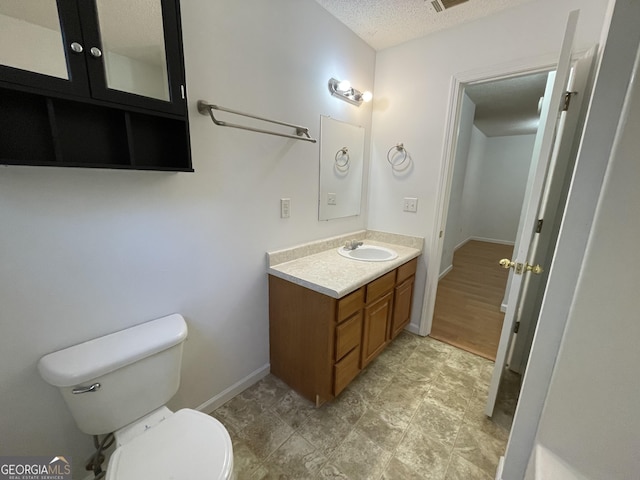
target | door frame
x=458, y=83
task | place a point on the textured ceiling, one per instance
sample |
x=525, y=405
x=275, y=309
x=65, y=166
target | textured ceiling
x=504, y=107
x=385, y=23
x=509, y=106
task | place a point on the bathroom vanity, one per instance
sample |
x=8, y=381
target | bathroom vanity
x=330, y=316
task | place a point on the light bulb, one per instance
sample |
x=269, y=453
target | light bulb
x=367, y=96
x=344, y=86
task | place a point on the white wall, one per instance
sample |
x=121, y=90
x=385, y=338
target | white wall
x=590, y=419
x=412, y=94
x=85, y=252
x=494, y=211
x=477, y=148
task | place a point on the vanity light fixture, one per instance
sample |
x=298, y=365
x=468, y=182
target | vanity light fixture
x=344, y=91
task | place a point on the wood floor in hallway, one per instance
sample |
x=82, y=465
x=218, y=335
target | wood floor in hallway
x=467, y=312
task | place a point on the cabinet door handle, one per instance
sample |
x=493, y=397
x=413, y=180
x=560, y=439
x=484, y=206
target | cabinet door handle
x=76, y=47
x=96, y=52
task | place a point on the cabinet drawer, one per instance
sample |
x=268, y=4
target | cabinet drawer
x=346, y=370
x=407, y=270
x=348, y=335
x=380, y=286
x=350, y=304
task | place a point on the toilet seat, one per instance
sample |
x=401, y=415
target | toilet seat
x=185, y=446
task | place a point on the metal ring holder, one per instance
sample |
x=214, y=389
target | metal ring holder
x=399, y=148
x=342, y=158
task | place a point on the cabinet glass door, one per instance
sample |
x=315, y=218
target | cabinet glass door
x=133, y=47
x=31, y=37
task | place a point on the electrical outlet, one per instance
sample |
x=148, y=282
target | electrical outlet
x=410, y=204
x=285, y=207
x=331, y=199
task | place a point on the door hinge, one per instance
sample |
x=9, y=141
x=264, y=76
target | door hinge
x=516, y=327
x=567, y=100
x=182, y=91
x=539, y=225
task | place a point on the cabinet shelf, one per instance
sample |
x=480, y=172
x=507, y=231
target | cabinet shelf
x=50, y=131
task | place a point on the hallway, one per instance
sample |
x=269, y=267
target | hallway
x=467, y=311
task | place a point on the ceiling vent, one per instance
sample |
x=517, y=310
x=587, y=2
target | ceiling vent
x=441, y=5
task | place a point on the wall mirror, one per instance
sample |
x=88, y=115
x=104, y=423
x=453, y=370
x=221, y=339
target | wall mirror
x=341, y=168
x=133, y=46
x=31, y=38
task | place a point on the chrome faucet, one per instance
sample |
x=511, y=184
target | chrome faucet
x=352, y=244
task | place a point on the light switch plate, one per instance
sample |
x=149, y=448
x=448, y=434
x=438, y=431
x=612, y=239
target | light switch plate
x=285, y=207
x=410, y=204
x=331, y=199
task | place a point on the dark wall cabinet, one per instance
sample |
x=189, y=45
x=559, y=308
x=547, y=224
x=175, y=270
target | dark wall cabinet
x=93, y=83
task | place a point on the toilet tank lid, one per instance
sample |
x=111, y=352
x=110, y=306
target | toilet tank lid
x=97, y=357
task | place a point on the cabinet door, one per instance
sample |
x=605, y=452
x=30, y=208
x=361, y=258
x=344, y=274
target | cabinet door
x=134, y=52
x=377, y=317
x=402, y=306
x=41, y=46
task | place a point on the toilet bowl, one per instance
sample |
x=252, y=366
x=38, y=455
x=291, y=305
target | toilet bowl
x=185, y=445
x=120, y=383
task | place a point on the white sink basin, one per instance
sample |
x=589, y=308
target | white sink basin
x=369, y=253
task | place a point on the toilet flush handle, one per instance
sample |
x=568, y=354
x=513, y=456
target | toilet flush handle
x=92, y=388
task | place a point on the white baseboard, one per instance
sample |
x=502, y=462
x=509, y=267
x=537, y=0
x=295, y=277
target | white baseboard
x=235, y=389
x=446, y=270
x=499, y=469
x=461, y=244
x=415, y=329
x=490, y=240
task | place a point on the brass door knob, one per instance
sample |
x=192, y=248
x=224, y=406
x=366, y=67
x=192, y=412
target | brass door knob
x=506, y=263
x=535, y=269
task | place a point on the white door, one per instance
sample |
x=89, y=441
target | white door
x=524, y=258
x=552, y=210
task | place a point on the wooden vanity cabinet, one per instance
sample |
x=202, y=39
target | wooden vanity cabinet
x=314, y=339
x=319, y=344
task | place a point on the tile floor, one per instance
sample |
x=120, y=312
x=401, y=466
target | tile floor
x=416, y=412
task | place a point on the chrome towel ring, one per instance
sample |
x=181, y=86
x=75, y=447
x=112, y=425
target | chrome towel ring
x=399, y=151
x=342, y=158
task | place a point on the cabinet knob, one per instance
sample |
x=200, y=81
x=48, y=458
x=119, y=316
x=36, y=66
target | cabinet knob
x=96, y=52
x=76, y=47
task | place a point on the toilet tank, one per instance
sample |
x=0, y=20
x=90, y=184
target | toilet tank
x=137, y=369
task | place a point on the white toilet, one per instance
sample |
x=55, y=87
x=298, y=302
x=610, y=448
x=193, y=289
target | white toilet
x=120, y=383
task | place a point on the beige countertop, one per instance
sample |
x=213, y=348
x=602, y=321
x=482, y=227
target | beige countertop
x=330, y=273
